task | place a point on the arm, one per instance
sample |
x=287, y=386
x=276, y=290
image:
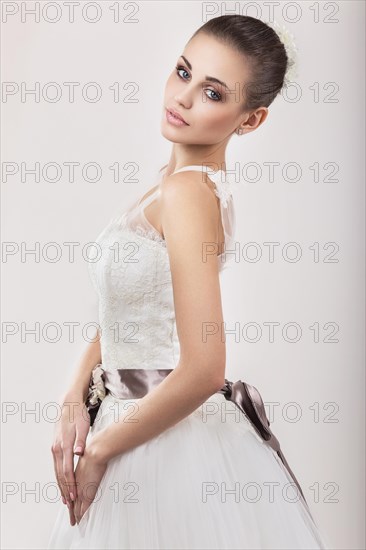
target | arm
x=189, y=218
x=91, y=356
x=72, y=428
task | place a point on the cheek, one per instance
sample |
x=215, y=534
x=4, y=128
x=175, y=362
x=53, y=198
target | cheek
x=217, y=119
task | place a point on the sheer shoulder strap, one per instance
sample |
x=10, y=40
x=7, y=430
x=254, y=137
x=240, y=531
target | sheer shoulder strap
x=223, y=190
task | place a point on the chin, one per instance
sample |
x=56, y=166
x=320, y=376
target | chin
x=169, y=134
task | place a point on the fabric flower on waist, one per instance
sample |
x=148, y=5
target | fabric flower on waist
x=97, y=388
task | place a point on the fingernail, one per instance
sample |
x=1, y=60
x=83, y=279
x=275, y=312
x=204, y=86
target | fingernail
x=68, y=504
x=78, y=449
x=72, y=496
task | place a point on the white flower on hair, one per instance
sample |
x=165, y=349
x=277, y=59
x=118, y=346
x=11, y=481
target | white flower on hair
x=288, y=40
x=97, y=389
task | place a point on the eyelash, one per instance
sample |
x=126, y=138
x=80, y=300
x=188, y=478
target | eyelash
x=179, y=67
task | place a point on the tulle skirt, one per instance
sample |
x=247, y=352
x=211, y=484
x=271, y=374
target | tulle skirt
x=208, y=482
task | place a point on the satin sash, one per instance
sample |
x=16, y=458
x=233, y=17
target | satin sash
x=136, y=383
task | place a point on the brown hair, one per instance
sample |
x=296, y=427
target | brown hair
x=261, y=46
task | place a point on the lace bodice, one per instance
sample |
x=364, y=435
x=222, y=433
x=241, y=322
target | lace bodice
x=131, y=274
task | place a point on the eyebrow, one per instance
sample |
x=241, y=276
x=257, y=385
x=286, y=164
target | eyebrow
x=209, y=78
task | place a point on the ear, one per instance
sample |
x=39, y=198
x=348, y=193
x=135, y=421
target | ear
x=256, y=118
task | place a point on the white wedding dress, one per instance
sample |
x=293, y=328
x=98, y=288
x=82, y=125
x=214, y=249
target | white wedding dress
x=209, y=482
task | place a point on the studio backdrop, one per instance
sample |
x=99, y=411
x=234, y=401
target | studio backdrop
x=82, y=102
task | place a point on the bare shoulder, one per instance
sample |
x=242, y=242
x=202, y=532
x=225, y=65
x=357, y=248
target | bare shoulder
x=189, y=218
x=188, y=190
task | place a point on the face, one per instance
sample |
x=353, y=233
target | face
x=206, y=90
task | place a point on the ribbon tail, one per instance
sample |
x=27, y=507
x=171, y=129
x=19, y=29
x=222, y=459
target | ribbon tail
x=248, y=400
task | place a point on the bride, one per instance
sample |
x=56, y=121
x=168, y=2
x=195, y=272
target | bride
x=164, y=459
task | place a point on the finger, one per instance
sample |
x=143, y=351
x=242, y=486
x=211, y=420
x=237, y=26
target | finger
x=68, y=473
x=83, y=509
x=77, y=506
x=82, y=429
x=57, y=464
x=84, y=506
x=79, y=446
x=72, y=514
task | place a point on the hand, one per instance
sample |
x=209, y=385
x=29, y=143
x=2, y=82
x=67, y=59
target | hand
x=71, y=432
x=88, y=474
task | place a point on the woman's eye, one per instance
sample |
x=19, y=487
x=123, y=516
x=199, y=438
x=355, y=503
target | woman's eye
x=218, y=96
x=181, y=69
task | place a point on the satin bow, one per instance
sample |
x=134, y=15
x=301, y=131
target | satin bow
x=248, y=399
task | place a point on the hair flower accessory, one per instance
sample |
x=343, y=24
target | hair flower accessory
x=288, y=40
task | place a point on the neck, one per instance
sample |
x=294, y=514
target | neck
x=212, y=156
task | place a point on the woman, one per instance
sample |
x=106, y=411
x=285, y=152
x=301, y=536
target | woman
x=169, y=463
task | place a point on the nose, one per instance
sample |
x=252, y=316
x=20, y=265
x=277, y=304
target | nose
x=183, y=98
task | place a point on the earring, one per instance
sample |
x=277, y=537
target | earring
x=239, y=131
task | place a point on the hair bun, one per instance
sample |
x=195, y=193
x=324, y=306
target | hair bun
x=288, y=40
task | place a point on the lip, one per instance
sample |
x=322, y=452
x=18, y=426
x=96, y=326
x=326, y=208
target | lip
x=175, y=118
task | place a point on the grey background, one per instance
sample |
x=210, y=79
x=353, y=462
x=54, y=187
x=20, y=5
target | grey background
x=320, y=381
